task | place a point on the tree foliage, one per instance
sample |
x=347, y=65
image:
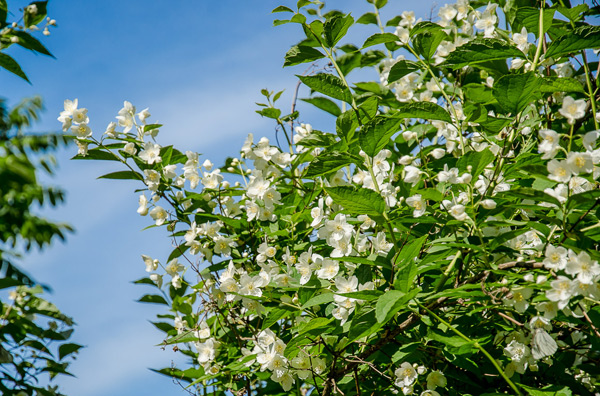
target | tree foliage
x=33, y=331
x=440, y=237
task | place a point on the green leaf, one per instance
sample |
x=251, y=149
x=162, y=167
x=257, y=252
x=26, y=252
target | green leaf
x=380, y=38
x=346, y=124
x=12, y=66
x=363, y=326
x=584, y=199
x=425, y=27
x=301, y=54
x=551, y=390
x=281, y=9
x=406, y=263
x=315, y=323
x=153, y=299
x=335, y=28
x=367, y=295
x=329, y=85
x=401, y=69
x=390, y=303
x=514, y=92
x=376, y=134
x=330, y=162
x=529, y=193
x=561, y=84
x=320, y=299
x=67, y=349
x=275, y=315
x=575, y=13
x=478, y=160
x=579, y=39
x=376, y=261
x=357, y=200
x=31, y=43
x=270, y=112
x=479, y=51
x=424, y=110
x=123, y=175
x=367, y=19
x=427, y=43
x=98, y=154
x=324, y=104
x=529, y=18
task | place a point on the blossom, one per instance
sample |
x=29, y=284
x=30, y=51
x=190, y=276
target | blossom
x=580, y=162
x=81, y=131
x=519, y=299
x=151, y=264
x=406, y=375
x=159, y=215
x=151, y=153
x=436, y=378
x=329, y=269
x=418, y=203
x=82, y=148
x=560, y=292
x=520, y=39
x=556, y=258
x=130, y=148
x=573, y=109
x=206, y=351
x=559, y=171
x=582, y=266
x=549, y=144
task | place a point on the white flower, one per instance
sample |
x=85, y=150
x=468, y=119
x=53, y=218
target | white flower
x=447, y=12
x=206, y=351
x=412, y=175
x=438, y=153
x=143, y=115
x=151, y=153
x=487, y=21
x=520, y=39
x=559, y=171
x=550, y=143
x=436, y=378
x=405, y=375
x=418, y=203
x=580, y=162
x=573, y=109
x=151, y=264
x=80, y=116
x=159, y=215
x=329, y=269
x=556, y=258
x=560, y=292
x=143, y=208
x=519, y=299
x=157, y=279
x=583, y=267
x=81, y=131
x=110, y=130
x=169, y=171
x=82, y=148
x=174, y=267
x=130, y=148
x=589, y=140
x=488, y=204
x=152, y=179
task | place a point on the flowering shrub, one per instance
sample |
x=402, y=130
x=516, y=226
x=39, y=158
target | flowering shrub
x=440, y=238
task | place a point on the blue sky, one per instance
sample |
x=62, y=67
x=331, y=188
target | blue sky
x=199, y=67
